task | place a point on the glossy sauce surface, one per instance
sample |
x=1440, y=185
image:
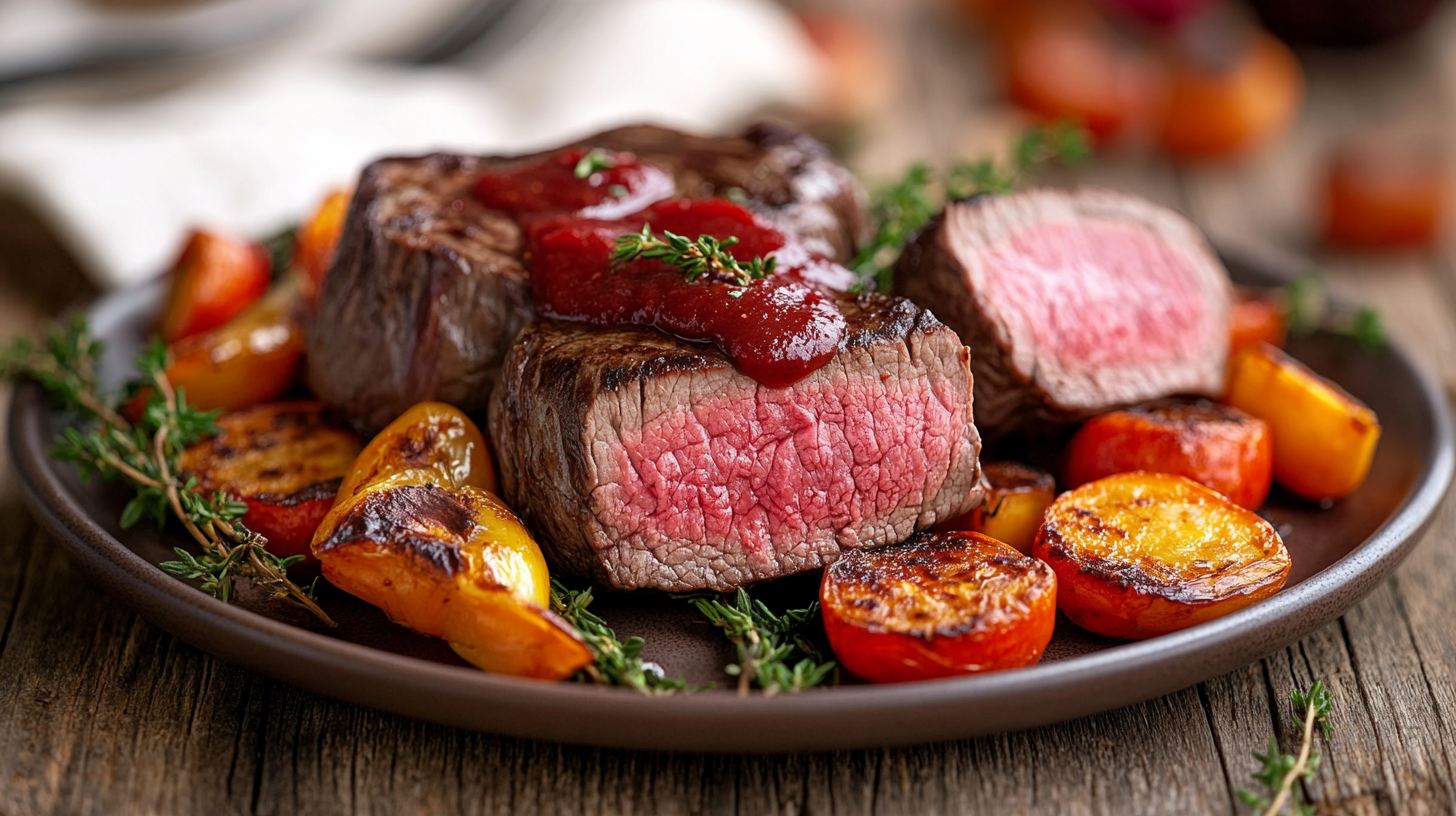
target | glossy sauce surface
x=617, y=184
x=777, y=330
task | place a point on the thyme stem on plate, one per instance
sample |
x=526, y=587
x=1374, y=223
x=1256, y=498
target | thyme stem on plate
x=707, y=257
x=144, y=452
x=618, y=662
x=902, y=208
x=1279, y=773
x=767, y=644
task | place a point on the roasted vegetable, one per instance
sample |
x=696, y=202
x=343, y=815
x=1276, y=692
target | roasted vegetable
x=318, y=239
x=1143, y=554
x=1324, y=439
x=938, y=605
x=212, y=282
x=1385, y=194
x=417, y=532
x=1220, y=105
x=1016, y=499
x=285, y=460
x=252, y=360
x=1255, y=318
x=1218, y=446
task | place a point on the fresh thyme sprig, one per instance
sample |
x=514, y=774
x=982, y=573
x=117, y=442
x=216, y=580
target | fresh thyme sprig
x=1307, y=308
x=594, y=160
x=618, y=663
x=1279, y=772
x=902, y=208
x=144, y=453
x=766, y=643
x=706, y=257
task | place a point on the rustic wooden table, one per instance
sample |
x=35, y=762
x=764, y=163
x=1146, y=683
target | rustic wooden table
x=103, y=713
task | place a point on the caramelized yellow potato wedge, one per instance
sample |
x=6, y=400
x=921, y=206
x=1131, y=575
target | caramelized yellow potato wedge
x=1324, y=439
x=417, y=533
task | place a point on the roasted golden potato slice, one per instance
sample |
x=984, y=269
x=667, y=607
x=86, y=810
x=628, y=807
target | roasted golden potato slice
x=1324, y=439
x=1143, y=554
x=1016, y=498
x=938, y=605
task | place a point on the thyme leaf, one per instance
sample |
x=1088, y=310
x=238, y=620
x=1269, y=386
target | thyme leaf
x=1278, y=772
x=594, y=160
x=1307, y=309
x=902, y=208
x=618, y=662
x=773, y=650
x=707, y=257
x=144, y=453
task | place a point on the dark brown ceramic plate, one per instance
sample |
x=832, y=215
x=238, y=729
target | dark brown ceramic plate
x=1339, y=555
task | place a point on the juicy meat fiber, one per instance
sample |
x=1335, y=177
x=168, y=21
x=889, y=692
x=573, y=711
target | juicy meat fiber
x=1073, y=303
x=647, y=461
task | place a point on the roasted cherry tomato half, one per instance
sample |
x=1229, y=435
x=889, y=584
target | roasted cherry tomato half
x=318, y=239
x=1143, y=554
x=216, y=278
x=1256, y=317
x=1218, y=446
x=285, y=460
x=417, y=533
x=938, y=605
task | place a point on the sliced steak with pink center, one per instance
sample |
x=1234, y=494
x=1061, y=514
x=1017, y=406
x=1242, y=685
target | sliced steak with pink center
x=1073, y=303
x=644, y=461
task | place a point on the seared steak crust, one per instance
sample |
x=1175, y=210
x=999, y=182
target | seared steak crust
x=641, y=460
x=428, y=287
x=1160, y=292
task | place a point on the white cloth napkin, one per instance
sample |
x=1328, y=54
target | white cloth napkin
x=253, y=146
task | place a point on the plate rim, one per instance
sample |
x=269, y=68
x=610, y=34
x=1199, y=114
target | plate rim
x=829, y=719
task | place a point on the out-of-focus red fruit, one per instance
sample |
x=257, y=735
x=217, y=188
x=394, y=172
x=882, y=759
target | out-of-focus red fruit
x=1063, y=61
x=1161, y=13
x=1384, y=195
x=858, y=79
x=1220, y=105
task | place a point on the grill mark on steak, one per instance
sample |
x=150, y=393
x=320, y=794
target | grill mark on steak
x=1147, y=318
x=647, y=461
x=428, y=288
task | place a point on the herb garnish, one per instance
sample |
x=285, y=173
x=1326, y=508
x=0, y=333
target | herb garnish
x=766, y=643
x=618, y=663
x=595, y=159
x=145, y=453
x=1280, y=771
x=705, y=257
x=907, y=205
x=1307, y=308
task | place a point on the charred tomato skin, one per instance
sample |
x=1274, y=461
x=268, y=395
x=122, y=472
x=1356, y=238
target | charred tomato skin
x=1218, y=446
x=285, y=461
x=1143, y=554
x=214, y=280
x=939, y=605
